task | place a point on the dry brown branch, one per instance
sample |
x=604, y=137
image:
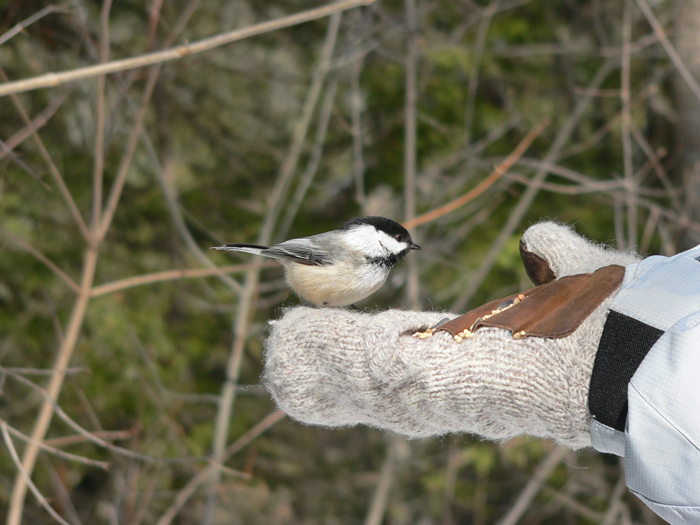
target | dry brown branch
x=24, y=24
x=489, y=181
x=616, y=503
x=92, y=437
x=15, y=458
x=37, y=123
x=656, y=164
x=538, y=479
x=24, y=245
x=324, y=117
x=56, y=79
x=125, y=165
x=478, y=52
x=42, y=371
x=104, y=465
x=56, y=382
x=570, y=503
x=628, y=163
x=610, y=124
x=410, y=144
x=171, y=275
x=668, y=47
x=387, y=474
x=203, y=477
x=107, y=435
x=58, y=178
x=649, y=228
x=98, y=171
x=358, y=162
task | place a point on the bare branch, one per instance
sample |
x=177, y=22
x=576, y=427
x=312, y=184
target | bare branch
x=24, y=24
x=52, y=450
x=628, y=164
x=24, y=245
x=670, y=50
x=58, y=178
x=377, y=508
x=358, y=164
x=544, y=470
x=204, y=476
x=489, y=181
x=36, y=124
x=171, y=275
x=99, y=160
x=15, y=458
x=56, y=79
x=478, y=53
x=314, y=158
x=410, y=143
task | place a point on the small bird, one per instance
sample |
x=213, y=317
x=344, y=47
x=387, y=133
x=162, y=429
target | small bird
x=340, y=267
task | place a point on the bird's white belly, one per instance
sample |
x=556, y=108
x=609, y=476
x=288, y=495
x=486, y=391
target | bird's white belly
x=339, y=285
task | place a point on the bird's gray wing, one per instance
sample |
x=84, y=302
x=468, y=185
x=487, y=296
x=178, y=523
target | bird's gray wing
x=304, y=251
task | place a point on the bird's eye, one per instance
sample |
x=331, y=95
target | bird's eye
x=398, y=237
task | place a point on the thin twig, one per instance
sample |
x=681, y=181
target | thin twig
x=188, y=490
x=98, y=171
x=170, y=275
x=656, y=164
x=55, y=384
x=670, y=50
x=477, y=55
x=15, y=458
x=87, y=435
x=4, y=148
x=616, y=503
x=377, y=508
x=24, y=24
x=489, y=181
x=24, y=245
x=649, y=228
x=358, y=163
x=118, y=184
x=44, y=371
x=628, y=164
x=58, y=178
x=311, y=170
x=538, y=479
x=410, y=144
x=56, y=79
x=36, y=124
x=104, y=465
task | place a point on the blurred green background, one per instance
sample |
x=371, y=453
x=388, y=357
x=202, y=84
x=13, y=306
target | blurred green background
x=291, y=133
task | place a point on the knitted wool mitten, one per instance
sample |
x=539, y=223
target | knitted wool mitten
x=333, y=367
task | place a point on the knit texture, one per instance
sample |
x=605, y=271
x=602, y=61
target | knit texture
x=568, y=253
x=333, y=367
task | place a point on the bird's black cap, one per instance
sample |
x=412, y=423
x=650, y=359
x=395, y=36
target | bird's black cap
x=388, y=226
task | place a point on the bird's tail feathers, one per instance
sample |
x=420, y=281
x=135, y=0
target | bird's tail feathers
x=247, y=248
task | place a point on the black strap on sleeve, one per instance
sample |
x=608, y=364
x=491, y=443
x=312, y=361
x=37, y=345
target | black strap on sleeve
x=623, y=346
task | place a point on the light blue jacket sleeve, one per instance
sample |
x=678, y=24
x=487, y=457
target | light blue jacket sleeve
x=661, y=441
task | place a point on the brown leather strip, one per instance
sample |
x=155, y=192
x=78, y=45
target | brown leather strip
x=554, y=309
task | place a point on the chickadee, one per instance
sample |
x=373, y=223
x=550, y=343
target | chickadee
x=340, y=267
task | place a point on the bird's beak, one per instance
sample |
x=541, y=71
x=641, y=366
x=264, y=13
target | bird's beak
x=414, y=246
